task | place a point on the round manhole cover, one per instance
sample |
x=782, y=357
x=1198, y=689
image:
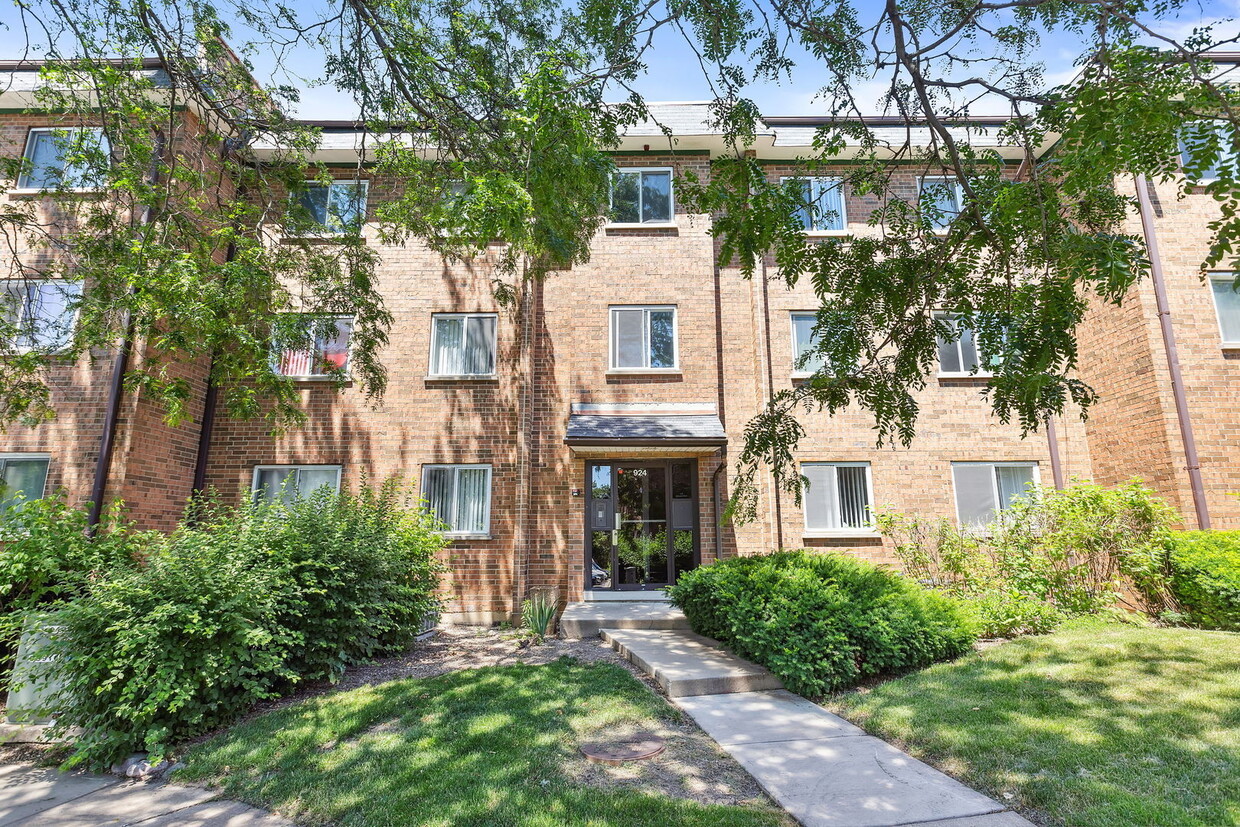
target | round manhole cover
x=635, y=748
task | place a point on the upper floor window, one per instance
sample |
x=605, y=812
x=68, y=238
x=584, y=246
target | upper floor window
x=337, y=208
x=41, y=311
x=23, y=477
x=959, y=354
x=823, y=204
x=1211, y=137
x=837, y=497
x=463, y=344
x=287, y=483
x=643, y=338
x=1227, y=306
x=805, y=362
x=459, y=496
x=984, y=490
x=940, y=198
x=324, y=353
x=65, y=158
x=642, y=196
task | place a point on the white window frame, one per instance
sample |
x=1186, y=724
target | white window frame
x=1228, y=278
x=839, y=182
x=22, y=184
x=457, y=467
x=430, y=362
x=324, y=377
x=648, y=308
x=981, y=372
x=671, y=198
x=324, y=230
x=798, y=373
x=5, y=457
x=957, y=187
x=254, y=489
x=20, y=349
x=863, y=531
x=1217, y=126
x=994, y=483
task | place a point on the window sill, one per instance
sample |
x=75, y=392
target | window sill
x=827, y=233
x=455, y=536
x=463, y=377
x=1230, y=346
x=644, y=372
x=319, y=378
x=978, y=375
x=654, y=225
x=53, y=191
x=850, y=534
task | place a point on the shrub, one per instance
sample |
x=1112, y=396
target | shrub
x=821, y=622
x=1205, y=577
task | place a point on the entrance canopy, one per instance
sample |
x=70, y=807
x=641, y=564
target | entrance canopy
x=672, y=428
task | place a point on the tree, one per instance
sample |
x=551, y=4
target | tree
x=494, y=112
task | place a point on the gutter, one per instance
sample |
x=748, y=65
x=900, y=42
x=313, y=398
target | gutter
x=1173, y=359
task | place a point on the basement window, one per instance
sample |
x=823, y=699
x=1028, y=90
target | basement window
x=984, y=490
x=460, y=498
x=288, y=483
x=837, y=498
x=23, y=477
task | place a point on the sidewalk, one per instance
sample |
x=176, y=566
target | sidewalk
x=42, y=797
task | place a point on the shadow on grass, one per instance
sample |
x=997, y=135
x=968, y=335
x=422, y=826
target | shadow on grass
x=478, y=747
x=1104, y=726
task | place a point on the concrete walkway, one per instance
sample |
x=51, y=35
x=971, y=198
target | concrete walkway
x=41, y=797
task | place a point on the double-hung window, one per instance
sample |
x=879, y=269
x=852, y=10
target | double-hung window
x=337, y=208
x=940, y=199
x=837, y=497
x=804, y=361
x=1227, y=306
x=643, y=338
x=23, y=477
x=72, y=159
x=38, y=314
x=984, y=490
x=822, y=202
x=642, y=196
x=1211, y=140
x=959, y=354
x=460, y=497
x=322, y=353
x=288, y=483
x=463, y=344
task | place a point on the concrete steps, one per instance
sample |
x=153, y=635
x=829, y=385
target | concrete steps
x=582, y=620
x=685, y=664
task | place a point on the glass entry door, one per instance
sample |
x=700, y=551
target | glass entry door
x=643, y=523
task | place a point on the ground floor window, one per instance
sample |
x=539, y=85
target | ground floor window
x=984, y=490
x=289, y=482
x=459, y=496
x=22, y=477
x=837, y=497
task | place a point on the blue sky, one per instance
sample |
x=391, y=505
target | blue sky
x=673, y=72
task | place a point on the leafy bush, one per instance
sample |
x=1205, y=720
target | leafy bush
x=821, y=622
x=236, y=609
x=1205, y=577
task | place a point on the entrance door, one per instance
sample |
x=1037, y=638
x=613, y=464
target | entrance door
x=643, y=523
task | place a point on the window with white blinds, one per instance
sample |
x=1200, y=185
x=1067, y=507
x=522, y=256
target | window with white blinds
x=984, y=490
x=74, y=159
x=463, y=344
x=822, y=207
x=288, y=483
x=38, y=314
x=837, y=497
x=1227, y=306
x=459, y=496
x=643, y=338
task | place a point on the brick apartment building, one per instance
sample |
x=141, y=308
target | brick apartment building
x=583, y=440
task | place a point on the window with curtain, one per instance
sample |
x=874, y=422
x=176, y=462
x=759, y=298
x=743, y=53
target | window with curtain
x=1207, y=137
x=288, y=483
x=643, y=338
x=23, y=477
x=40, y=311
x=984, y=490
x=335, y=208
x=803, y=341
x=325, y=353
x=69, y=158
x=1227, y=306
x=459, y=496
x=941, y=196
x=959, y=354
x=837, y=496
x=642, y=196
x=463, y=344
x=823, y=200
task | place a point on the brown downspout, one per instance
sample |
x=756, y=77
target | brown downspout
x=770, y=393
x=1052, y=443
x=719, y=381
x=1173, y=359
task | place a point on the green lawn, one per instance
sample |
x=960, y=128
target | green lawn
x=479, y=747
x=1094, y=726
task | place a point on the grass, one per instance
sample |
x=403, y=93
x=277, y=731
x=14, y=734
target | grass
x=479, y=747
x=1107, y=725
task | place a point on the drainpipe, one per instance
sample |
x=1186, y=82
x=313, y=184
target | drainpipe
x=1052, y=443
x=770, y=392
x=714, y=487
x=209, y=403
x=1173, y=359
